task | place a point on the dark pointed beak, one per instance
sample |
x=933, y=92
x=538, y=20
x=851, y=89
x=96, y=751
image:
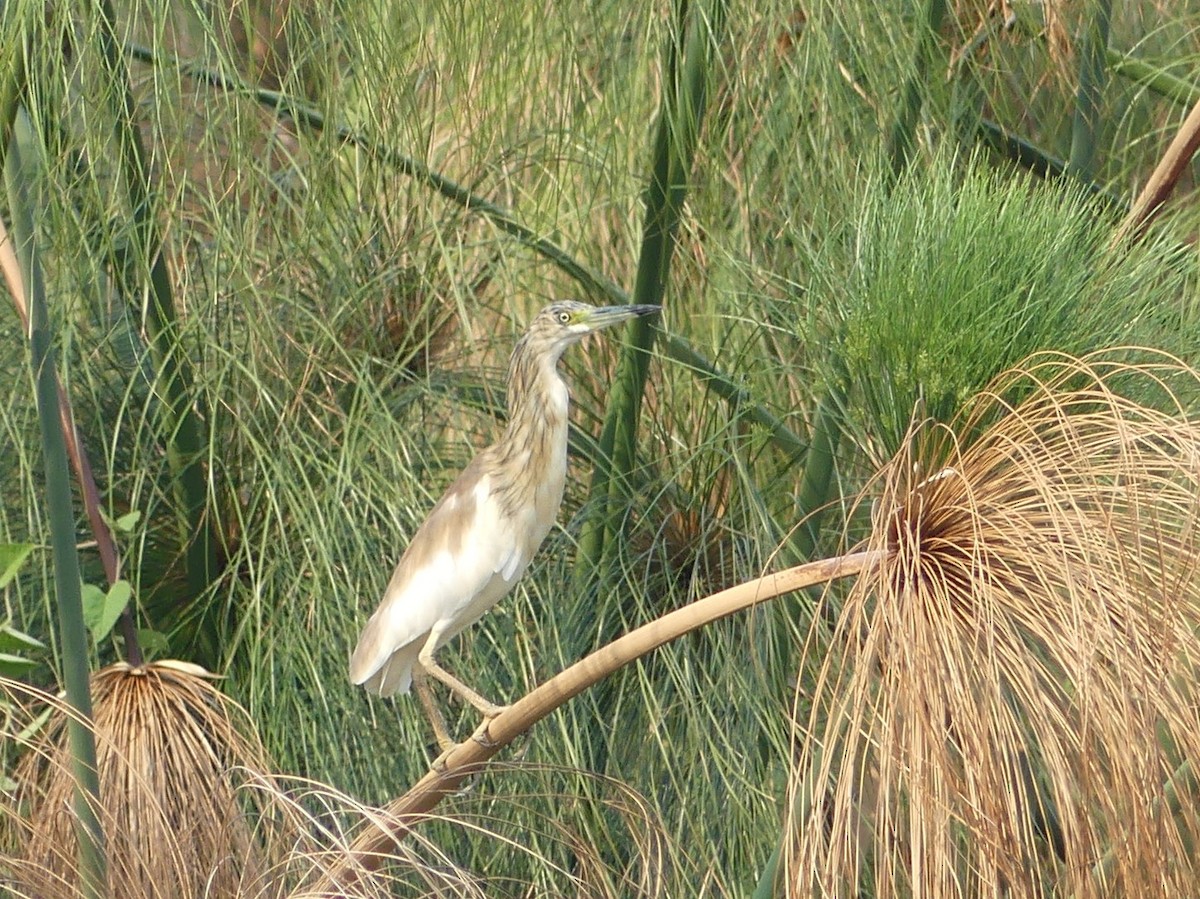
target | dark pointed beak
x=606, y=316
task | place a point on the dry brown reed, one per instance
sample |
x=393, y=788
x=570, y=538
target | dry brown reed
x=172, y=753
x=1008, y=706
x=512, y=825
x=189, y=810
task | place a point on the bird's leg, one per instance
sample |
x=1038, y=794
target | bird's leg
x=488, y=709
x=425, y=660
x=440, y=732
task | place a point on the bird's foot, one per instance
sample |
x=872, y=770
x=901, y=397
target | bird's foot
x=439, y=764
x=482, y=736
x=489, y=712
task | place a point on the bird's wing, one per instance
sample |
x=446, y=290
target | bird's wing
x=465, y=555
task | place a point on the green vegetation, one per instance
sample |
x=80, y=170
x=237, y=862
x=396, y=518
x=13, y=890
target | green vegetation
x=287, y=249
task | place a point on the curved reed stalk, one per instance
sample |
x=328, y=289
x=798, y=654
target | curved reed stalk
x=1162, y=181
x=1010, y=703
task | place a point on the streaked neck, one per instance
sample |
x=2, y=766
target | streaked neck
x=537, y=395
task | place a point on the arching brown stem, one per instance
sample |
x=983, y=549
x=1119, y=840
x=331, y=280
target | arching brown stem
x=373, y=845
x=1163, y=180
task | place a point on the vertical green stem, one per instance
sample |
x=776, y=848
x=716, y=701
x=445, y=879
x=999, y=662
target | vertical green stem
x=22, y=174
x=818, y=472
x=182, y=428
x=1086, y=125
x=694, y=35
x=813, y=494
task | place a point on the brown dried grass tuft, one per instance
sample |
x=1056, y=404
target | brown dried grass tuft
x=172, y=757
x=535, y=838
x=191, y=810
x=1010, y=703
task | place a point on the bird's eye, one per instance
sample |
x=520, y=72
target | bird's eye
x=564, y=318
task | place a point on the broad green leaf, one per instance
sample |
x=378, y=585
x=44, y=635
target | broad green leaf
x=114, y=604
x=127, y=522
x=13, y=640
x=93, y=606
x=11, y=557
x=30, y=730
x=101, y=610
x=14, y=666
x=154, y=643
x=118, y=595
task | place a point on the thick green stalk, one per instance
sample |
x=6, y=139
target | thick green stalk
x=22, y=174
x=1162, y=82
x=818, y=478
x=1086, y=124
x=813, y=495
x=903, y=137
x=1033, y=158
x=1020, y=151
x=694, y=37
x=182, y=429
x=765, y=888
x=1182, y=779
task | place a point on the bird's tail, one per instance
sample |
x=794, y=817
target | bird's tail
x=393, y=676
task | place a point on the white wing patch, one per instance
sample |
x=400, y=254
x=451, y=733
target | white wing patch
x=466, y=563
x=511, y=567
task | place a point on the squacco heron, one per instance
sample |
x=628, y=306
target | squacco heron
x=483, y=532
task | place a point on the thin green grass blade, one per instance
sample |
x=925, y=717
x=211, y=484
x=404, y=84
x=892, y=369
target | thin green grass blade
x=22, y=175
x=12, y=86
x=908, y=114
x=674, y=346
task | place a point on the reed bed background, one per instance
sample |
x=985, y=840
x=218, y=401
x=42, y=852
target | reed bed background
x=276, y=254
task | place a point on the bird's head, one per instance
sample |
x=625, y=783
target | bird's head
x=566, y=322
